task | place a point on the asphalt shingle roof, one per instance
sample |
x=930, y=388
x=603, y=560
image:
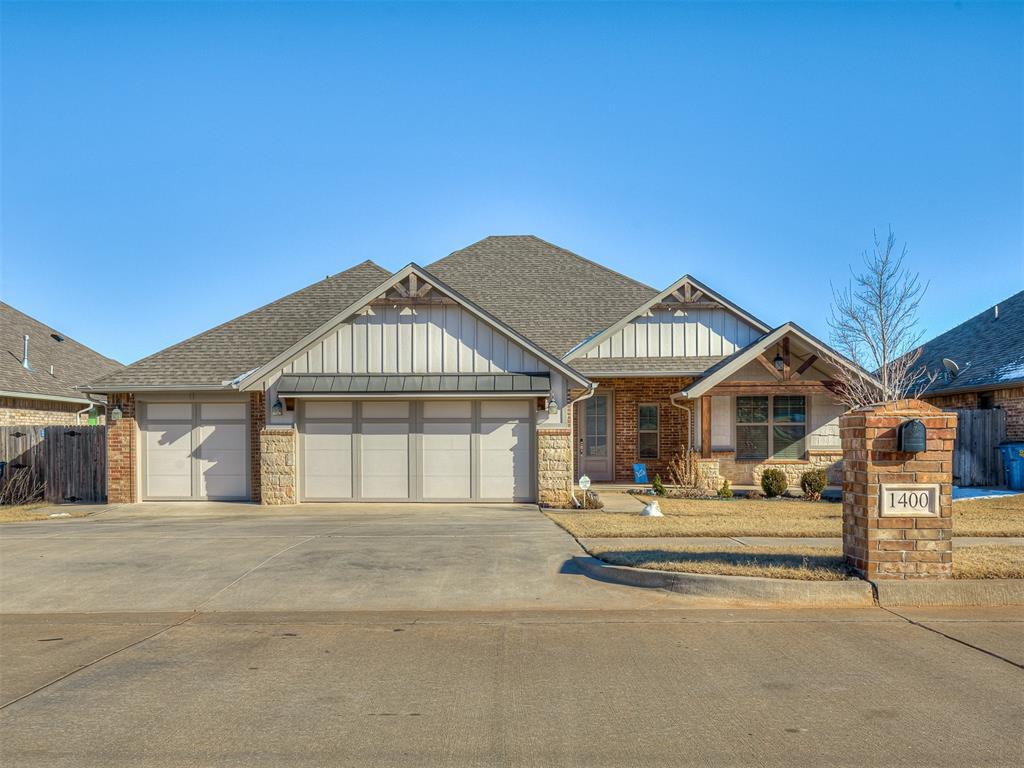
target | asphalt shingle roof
x=73, y=363
x=669, y=366
x=247, y=342
x=548, y=294
x=989, y=351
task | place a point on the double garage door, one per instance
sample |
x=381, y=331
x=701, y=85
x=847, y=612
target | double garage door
x=195, y=451
x=431, y=450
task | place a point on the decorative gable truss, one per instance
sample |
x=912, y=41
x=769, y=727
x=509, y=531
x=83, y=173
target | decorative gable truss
x=687, y=319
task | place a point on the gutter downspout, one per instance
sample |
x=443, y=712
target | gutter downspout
x=689, y=419
x=585, y=396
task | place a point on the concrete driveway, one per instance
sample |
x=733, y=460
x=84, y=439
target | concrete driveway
x=237, y=557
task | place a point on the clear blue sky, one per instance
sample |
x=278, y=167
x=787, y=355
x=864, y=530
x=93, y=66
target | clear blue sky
x=167, y=167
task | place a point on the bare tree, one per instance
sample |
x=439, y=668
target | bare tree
x=874, y=324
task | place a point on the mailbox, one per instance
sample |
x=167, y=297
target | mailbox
x=911, y=437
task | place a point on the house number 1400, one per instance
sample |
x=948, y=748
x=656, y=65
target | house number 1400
x=909, y=500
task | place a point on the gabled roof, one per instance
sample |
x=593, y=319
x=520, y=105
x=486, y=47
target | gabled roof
x=684, y=282
x=730, y=365
x=550, y=295
x=238, y=346
x=988, y=350
x=73, y=363
x=252, y=379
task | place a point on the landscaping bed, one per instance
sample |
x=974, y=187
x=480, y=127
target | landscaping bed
x=1002, y=516
x=996, y=561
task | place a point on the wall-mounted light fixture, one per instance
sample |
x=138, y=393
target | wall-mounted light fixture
x=115, y=414
x=278, y=409
x=778, y=362
x=552, y=406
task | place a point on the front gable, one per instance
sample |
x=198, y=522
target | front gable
x=410, y=324
x=687, y=319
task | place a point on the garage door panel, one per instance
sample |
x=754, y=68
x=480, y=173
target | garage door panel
x=327, y=468
x=505, y=460
x=168, y=460
x=222, y=460
x=158, y=412
x=385, y=460
x=447, y=460
x=222, y=411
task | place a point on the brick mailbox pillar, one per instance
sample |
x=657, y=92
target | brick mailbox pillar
x=898, y=504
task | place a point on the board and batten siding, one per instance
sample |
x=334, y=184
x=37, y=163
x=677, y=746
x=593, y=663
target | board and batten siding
x=678, y=333
x=434, y=338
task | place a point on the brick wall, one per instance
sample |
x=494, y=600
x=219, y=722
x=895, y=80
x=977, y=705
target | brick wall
x=896, y=547
x=629, y=394
x=1010, y=400
x=121, y=451
x=15, y=411
x=257, y=421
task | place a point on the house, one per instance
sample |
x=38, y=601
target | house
x=500, y=373
x=39, y=369
x=985, y=367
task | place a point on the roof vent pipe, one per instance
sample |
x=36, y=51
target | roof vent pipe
x=997, y=311
x=24, y=355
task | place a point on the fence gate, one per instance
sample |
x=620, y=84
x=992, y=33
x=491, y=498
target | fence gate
x=976, y=458
x=70, y=460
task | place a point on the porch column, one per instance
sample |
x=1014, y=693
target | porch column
x=705, y=427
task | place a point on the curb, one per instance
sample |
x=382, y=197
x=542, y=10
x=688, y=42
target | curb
x=952, y=593
x=852, y=593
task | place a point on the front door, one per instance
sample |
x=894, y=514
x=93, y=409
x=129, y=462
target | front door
x=596, y=459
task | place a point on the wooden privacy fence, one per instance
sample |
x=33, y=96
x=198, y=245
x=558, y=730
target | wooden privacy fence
x=71, y=461
x=976, y=458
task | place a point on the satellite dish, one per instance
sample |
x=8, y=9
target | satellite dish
x=952, y=367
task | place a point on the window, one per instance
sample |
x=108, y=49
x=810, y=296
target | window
x=770, y=426
x=647, y=432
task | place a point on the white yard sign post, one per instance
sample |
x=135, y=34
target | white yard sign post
x=584, y=486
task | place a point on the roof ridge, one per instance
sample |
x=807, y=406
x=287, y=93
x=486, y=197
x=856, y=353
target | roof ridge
x=584, y=259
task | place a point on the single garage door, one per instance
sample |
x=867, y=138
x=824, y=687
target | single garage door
x=430, y=450
x=194, y=451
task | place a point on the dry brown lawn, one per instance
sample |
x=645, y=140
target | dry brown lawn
x=1002, y=516
x=22, y=513
x=996, y=561
x=809, y=563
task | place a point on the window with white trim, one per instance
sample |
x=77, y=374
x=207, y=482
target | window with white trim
x=647, y=432
x=770, y=426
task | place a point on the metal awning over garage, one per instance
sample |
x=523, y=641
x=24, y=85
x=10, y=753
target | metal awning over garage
x=406, y=385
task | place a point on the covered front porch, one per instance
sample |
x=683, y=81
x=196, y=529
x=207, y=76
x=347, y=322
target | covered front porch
x=773, y=404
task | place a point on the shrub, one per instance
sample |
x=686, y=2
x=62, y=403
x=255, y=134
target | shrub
x=658, y=486
x=812, y=483
x=725, y=492
x=773, y=482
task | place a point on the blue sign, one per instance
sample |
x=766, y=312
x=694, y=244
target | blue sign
x=640, y=473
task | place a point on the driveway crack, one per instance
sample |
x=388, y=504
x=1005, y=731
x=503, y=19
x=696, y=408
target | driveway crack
x=96, y=661
x=251, y=570
x=954, y=639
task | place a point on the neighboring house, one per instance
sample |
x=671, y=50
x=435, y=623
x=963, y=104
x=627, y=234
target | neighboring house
x=39, y=369
x=987, y=353
x=499, y=373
